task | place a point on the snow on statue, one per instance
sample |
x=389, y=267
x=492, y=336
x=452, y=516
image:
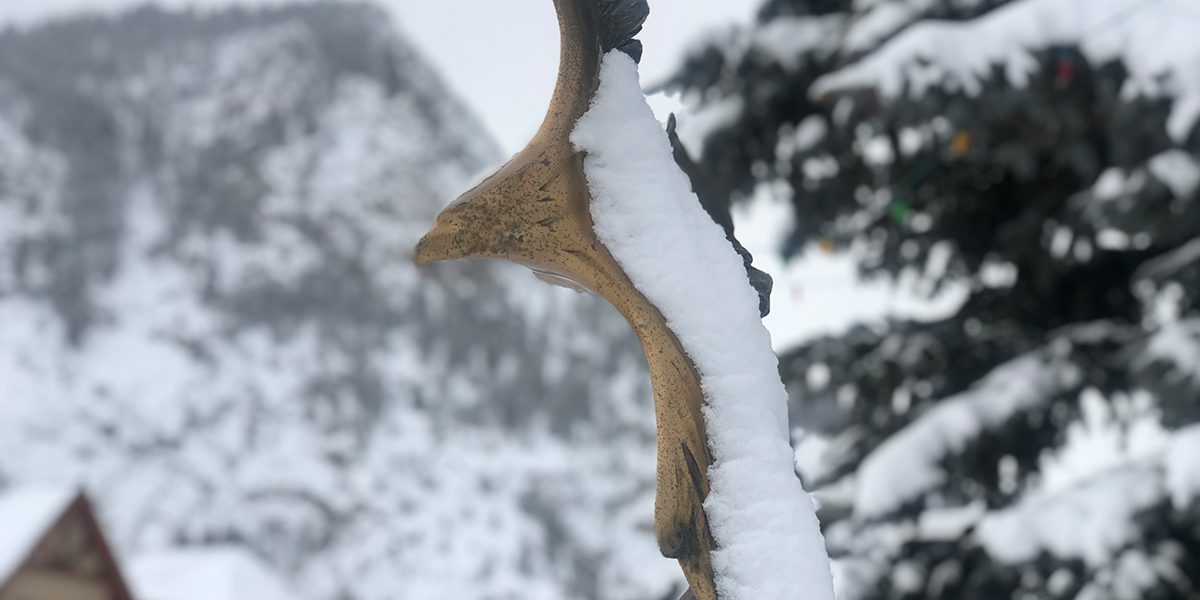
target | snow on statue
x=769, y=542
x=597, y=201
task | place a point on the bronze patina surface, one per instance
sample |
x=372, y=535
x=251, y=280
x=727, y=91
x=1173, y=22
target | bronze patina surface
x=535, y=211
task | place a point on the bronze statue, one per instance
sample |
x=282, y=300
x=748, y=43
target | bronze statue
x=535, y=211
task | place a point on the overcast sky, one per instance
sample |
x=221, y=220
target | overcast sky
x=500, y=55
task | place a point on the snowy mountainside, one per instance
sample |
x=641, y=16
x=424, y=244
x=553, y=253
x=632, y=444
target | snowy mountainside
x=210, y=317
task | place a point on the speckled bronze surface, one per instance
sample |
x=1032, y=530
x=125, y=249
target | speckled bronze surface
x=535, y=211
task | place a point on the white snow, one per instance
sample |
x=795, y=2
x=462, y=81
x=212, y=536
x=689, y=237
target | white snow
x=1092, y=518
x=908, y=463
x=1155, y=40
x=770, y=544
x=789, y=40
x=696, y=124
x=1133, y=575
x=949, y=524
x=1170, y=263
x=1182, y=468
x=1177, y=344
x=1089, y=522
x=1111, y=431
x=802, y=138
x=1089, y=515
x=1178, y=170
x=880, y=21
x=1116, y=461
x=26, y=515
x=204, y=573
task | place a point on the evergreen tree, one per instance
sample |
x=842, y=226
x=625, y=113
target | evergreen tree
x=1044, y=156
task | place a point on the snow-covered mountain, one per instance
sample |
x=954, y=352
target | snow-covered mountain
x=209, y=316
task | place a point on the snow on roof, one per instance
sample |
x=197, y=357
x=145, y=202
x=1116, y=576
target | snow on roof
x=1155, y=40
x=769, y=542
x=204, y=573
x=26, y=515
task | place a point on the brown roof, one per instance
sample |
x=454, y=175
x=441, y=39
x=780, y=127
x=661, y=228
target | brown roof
x=52, y=538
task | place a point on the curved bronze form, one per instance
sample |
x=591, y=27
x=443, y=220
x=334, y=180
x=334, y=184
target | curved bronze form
x=535, y=211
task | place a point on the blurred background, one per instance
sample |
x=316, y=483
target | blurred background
x=982, y=216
